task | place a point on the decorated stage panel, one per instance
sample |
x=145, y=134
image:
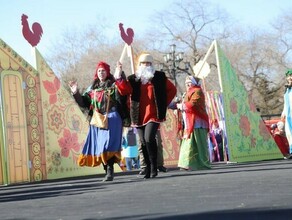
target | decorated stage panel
x=248, y=137
x=48, y=146
x=170, y=140
x=66, y=126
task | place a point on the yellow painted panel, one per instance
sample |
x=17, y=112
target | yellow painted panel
x=18, y=175
x=17, y=151
x=17, y=156
x=14, y=65
x=4, y=58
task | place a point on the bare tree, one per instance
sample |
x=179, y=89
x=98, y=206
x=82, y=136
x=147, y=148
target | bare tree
x=68, y=55
x=192, y=27
x=282, y=35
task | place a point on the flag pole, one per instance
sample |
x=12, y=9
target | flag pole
x=130, y=55
x=123, y=54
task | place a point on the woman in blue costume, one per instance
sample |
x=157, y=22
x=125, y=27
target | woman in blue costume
x=287, y=111
x=102, y=146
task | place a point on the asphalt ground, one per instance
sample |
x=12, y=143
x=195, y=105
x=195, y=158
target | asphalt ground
x=252, y=191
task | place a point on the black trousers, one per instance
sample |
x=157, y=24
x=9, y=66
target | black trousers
x=147, y=135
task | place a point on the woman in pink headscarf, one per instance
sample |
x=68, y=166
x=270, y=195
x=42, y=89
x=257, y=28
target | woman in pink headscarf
x=102, y=146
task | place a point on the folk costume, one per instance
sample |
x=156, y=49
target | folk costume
x=287, y=111
x=148, y=104
x=102, y=146
x=194, y=153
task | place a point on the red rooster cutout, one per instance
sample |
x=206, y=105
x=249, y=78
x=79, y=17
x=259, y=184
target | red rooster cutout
x=127, y=37
x=33, y=37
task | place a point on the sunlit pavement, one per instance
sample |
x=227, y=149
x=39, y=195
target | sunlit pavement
x=258, y=190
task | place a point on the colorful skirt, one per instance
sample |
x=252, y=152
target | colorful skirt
x=194, y=153
x=103, y=144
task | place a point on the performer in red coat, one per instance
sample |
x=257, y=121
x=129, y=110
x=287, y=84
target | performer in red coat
x=150, y=93
x=194, y=153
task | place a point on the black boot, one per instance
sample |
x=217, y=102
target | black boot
x=152, y=151
x=153, y=170
x=110, y=172
x=146, y=169
x=147, y=172
x=105, y=168
x=162, y=169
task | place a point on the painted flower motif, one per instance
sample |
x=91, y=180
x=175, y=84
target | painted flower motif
x=168, y=124
x=52, y=88
x=74, y=120
x=56, y=158
x=233, y=106
x=244, y=125
x=170, y=150
x=263, y=131
x=76, y=123
x=56, y=119
x=50, y=170
x=64, y=100
x=68, y=143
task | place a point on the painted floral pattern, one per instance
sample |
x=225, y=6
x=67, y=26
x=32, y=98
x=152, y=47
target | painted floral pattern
x=244, y=125
x=247, y=138
x=56, y=119
x=233, y=106
x=169, y=124
x=170, y=141
x=52, y=88
x=263, y=130
x=68, y=143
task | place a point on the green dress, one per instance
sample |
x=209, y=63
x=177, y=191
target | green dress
x=194, y=152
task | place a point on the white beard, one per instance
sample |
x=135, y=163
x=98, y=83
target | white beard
x=145, y=73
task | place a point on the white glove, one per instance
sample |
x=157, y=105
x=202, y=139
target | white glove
x=179, y=106
x=118, y=71
x=74, y=87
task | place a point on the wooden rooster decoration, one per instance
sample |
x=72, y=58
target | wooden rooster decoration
x=33, y=37
x=127, y=37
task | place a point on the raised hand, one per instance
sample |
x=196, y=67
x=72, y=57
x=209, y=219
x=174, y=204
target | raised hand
x=73, y=86
x=118, y=71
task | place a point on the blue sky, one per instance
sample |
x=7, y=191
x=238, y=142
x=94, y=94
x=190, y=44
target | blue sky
x=55, y=16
